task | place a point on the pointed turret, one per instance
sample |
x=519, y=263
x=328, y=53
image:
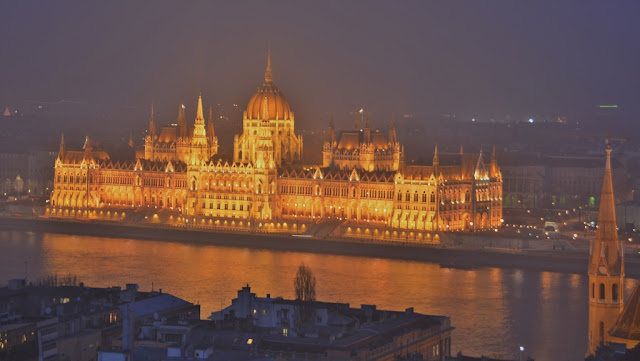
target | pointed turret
x=152, y=125
x=199, y=132
x=268, y=75
x=393, y=138
x=87, y=148
x=606, y=267
x=61, y=151
x=331, y=133
x=436, y=160
x=182, y=122
x=199, y=112
x=495, y=170
x=211, y=134
x=367, y=131
x=606, y=255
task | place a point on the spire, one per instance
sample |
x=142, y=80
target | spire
x=461, y=150
x=367, y=131
x=182, y=122
x=268, y=75
x=131, y=143
x=331, y=136
x=199, y=112
x=494, y=163
x=87, y=147
x=357, y=121
x=152, y=125
x=606, y=254
x=392, y=130
x=199, y=131
x=210, y=131
x=436, y=160
x=61, y=150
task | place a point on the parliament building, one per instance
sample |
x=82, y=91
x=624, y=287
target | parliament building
x=363, y=184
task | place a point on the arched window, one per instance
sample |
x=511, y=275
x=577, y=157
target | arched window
x=415, y=196
x=593, y=290
x=433, y=197
x=399, y=193
x=407, y=197
x=424, y=197
x=614, y=292
x=602, y=291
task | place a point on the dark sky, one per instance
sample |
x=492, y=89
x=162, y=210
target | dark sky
x=470, y=58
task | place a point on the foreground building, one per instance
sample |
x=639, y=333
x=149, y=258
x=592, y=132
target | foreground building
x=363, y=179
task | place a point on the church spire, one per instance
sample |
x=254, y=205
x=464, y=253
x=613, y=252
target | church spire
x=606, y=254
x=606, y=267
x=152, y=125
x=268, y=75
x=131, y=143
x=392, y=130
x=61, y=150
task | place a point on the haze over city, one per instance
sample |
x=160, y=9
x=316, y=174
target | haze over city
x=488, y=60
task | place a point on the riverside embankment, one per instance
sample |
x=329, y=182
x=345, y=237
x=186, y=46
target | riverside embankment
x=567, y=261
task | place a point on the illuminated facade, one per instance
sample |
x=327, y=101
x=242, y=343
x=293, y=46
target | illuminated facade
x=363, y=178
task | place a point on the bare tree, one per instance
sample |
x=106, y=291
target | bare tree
x=305, y=284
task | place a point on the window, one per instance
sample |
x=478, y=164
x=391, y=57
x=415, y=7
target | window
x=593, y=290
x=614, y=292
x=602, y=291
x=285, y=332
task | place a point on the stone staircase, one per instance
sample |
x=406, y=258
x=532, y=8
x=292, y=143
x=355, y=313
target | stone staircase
x=324, y=228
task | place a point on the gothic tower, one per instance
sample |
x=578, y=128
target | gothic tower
x=606, y=267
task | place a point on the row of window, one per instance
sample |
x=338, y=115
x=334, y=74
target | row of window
x=602, y=292
x=224, y=206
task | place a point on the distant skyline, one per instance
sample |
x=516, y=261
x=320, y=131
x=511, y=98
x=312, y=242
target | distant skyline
x=471, y=59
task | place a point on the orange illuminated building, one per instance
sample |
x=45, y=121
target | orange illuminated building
x=363, y=179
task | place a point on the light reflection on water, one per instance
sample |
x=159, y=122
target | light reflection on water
x=494, y=310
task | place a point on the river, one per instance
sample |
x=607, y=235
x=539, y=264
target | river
x=494, y=310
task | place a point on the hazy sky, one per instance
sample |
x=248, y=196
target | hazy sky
x=471, y=58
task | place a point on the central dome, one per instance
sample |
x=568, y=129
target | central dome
x=268, y=102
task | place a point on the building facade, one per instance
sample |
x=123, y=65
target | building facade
x=363, y=178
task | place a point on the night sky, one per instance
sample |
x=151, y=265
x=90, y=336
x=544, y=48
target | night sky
x=483, y=59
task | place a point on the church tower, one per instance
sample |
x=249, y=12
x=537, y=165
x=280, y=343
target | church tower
x=606, y=267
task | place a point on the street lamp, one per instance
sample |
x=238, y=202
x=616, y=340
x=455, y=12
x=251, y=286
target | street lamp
x=521, y=353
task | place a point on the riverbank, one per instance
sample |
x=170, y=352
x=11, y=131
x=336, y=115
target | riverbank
x=569, y=261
